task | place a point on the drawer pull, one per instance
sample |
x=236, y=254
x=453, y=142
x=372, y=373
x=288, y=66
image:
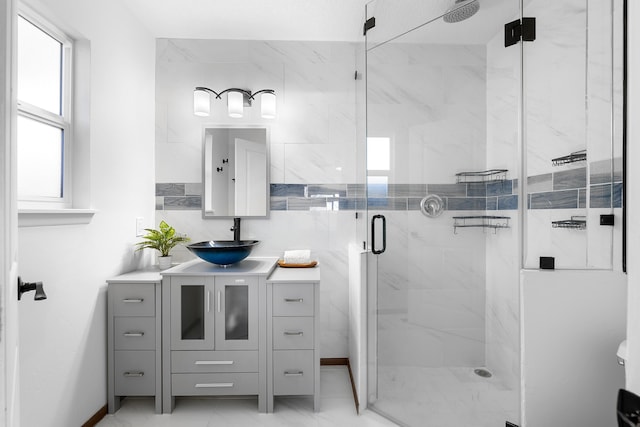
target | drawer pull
x=136, y=300
x=296, y=333
x=214, y=385
x=294, y=300
x=214, y=362
x=133, y=334
x=133, y=374
x=293, y=373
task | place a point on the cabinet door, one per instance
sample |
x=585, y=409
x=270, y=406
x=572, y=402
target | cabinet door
x=236, y=313
x=192, y=313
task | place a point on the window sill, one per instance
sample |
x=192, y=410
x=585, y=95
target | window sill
x=47, y=217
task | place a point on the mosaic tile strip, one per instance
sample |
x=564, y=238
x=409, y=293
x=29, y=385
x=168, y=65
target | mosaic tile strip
x=547, y=191
x=170, y=189
x=183, y=203
x=566, y=180
x=600, y=196
x=567, y=199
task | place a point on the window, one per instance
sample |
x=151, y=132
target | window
x=44, y=120
x=378, y=166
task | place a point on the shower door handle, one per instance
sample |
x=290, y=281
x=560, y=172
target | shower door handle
x=373, y=234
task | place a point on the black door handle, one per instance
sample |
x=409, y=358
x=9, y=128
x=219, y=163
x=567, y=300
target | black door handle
x=373, y=234
x=31, y=286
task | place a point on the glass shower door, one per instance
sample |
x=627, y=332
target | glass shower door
x=443, y=102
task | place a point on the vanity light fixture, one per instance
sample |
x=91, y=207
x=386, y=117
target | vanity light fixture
x=237, y=99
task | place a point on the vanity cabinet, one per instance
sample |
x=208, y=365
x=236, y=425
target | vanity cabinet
x=133, y=337
x=293, y=357
x=214, y=340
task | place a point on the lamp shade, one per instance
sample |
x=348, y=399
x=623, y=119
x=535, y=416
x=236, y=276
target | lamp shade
x=268, y=105
x=235, y=104
x=201, y=103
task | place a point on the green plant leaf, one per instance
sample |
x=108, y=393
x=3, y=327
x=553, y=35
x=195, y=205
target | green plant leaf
x=162, y=240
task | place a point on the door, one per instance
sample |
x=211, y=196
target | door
x=192, y=319
x=9, y=369
x=250, y=173
x=442, y=95
x=236, y=316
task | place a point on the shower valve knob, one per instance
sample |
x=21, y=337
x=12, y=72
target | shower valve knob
x=31, y=286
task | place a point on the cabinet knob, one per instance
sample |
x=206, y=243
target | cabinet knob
x=133, y=334
x=297, y=333
x=293, y=300
x=134, y=374
x=293, y=373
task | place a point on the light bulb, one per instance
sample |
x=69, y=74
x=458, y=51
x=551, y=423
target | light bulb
x=235, y=104
x=268, y=105
x=201, y=103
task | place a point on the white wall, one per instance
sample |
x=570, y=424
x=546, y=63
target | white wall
x=63, y=345
x=572, y=322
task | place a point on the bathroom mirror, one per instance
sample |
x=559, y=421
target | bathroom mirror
x=235, y=172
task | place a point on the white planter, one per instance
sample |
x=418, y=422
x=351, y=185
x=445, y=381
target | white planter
x=164, y=262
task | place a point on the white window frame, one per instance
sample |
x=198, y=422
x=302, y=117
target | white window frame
x=62, y=121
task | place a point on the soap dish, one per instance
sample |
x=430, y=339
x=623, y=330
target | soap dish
x=283, y=264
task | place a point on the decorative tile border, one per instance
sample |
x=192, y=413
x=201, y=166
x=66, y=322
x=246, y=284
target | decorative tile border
x=179, y=196
x=558, y=190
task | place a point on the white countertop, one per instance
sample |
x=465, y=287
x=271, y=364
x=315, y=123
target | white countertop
x=248, y=267
x=298, y=275
x=146, y=275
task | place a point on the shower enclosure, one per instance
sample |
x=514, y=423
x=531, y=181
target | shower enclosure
x=486, y=154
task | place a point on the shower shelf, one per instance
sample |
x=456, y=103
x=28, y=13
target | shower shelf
x=482, y=221
x=576, y=156
x=482, y=176
x=576, y=223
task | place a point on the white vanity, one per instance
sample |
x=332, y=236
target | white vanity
x=199, y=329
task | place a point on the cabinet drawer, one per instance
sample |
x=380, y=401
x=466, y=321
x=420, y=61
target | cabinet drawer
x=291, y=299
x=293, y=372
x=214, y=384
x=134, y=333
x=133, y=299
x=214, y=361
x=291, y=333
x=135, y=373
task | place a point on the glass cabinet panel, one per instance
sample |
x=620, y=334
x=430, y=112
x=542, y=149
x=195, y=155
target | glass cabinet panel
x=236, y=313
x=191, y=312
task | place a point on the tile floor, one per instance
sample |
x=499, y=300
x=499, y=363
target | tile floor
x=337, y=409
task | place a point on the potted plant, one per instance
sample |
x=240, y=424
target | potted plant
x=163, y=241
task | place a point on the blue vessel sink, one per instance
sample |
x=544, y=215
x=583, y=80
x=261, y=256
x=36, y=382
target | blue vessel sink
x=223, y=252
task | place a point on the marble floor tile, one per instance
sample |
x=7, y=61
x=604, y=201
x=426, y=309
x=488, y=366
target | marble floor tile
x=337, y=409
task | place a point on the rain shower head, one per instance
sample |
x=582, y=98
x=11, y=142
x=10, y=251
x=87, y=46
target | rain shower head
x=461, y=10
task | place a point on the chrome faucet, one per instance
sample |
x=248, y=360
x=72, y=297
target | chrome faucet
x=236, y=229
